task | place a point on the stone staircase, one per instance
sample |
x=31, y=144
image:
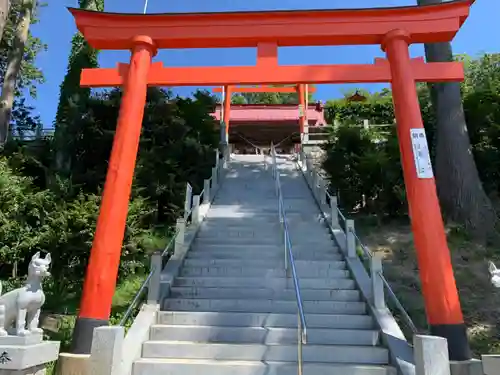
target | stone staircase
x=232, y=310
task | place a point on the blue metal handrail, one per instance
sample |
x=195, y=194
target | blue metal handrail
x=289, y=258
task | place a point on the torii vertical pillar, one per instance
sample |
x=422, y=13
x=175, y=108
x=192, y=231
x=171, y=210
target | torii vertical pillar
x=303, y=121
x=102, y=270
x=442, y=303
x=227, y=113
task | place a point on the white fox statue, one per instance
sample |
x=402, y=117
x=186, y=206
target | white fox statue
x=495, y=274
x=22, y=305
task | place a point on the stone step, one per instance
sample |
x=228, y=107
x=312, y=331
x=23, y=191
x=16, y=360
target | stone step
x=250, y=217
x=258, y=352
x=260, y=335
x=243, y=247
x=245, y=319
x=219, y=367
x=252, y=233
x=298, y=255
x=260, y=282
x=312, y=241
x=247, y=271
x=262, y=305
x=263, y=263
x=263, y=220
x=265, y=293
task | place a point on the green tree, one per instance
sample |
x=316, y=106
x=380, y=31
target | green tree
x=16, y=55
x=4, y=15
x=73, y=98
x=28, y=77
x=267, y=98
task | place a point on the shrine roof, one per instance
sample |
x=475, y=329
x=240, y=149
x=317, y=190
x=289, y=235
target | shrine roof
x=270, y=113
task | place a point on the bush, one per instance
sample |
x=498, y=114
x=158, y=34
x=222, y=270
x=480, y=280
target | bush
x=363, y=169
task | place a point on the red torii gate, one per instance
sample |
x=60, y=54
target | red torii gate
x=229, y=90
x=392, y=28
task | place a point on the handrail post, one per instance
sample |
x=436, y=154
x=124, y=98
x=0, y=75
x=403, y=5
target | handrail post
x=180, y=228
x=350, y=239
x=206, y=191
x=195, y=215
x=377, y=283
x=215, y=179
x=309, y=172
x=334, y=211
x=322, y=192
x=154, y=281
x=316, y=178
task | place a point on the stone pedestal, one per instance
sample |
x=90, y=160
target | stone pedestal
x=27, y=355
x=471, y=367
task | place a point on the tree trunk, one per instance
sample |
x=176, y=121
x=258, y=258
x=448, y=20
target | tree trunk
x=4, y=15
x=460, y=189
x=13, y=67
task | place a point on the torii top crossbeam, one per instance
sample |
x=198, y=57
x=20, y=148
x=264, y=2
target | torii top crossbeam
x=433, y=23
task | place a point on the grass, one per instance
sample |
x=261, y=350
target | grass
x=479, y=299
x=124, y=294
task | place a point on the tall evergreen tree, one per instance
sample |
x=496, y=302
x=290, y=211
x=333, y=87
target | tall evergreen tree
x=72, y=97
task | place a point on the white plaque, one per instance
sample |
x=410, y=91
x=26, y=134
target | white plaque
x=421, y=153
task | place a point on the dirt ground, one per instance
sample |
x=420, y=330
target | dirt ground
x=480, y=300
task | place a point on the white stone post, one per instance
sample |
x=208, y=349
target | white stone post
x=316, y=179
x=106, y=351
x=491, y=364
x=322, y=192
x=215, y=180
x=377, y=283
x=306, y=133
x=206, y=191
x=180, y=229
x=334, y=209
x=195, y=215
x=310, y=172
x=154, y=281
x=431, y=355
x=366, y=124
x=350, y=239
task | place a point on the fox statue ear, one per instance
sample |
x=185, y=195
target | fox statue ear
x=36, y=256
x=48, y=258
x=491, y=267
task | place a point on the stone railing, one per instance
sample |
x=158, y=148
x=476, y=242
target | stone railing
x=422, y=354
x=115, y=348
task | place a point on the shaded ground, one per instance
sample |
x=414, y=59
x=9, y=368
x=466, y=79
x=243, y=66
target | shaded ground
x=480, y=300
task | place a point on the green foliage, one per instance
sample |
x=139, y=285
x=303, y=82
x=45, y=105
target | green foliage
x=73, y=98
x=363, y=170
x=363, y=165
x=267, y=98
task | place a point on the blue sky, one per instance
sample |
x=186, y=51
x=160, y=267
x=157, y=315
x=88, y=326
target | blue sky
x=56, y=28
